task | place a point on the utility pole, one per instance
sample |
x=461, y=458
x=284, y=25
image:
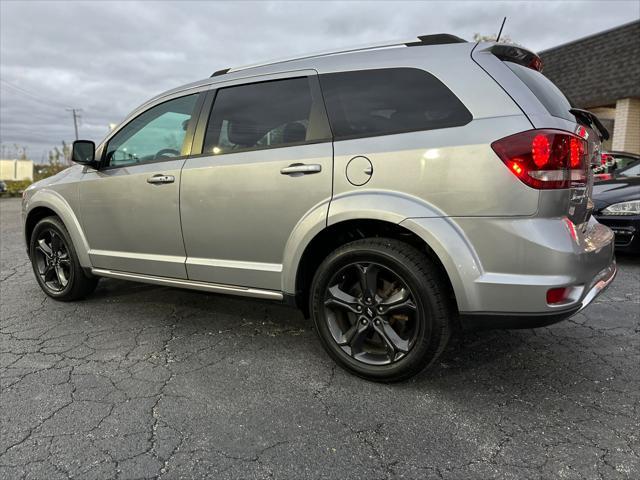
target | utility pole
x=75, y=118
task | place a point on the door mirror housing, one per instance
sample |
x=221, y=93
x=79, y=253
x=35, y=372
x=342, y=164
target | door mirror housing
x=84, y=152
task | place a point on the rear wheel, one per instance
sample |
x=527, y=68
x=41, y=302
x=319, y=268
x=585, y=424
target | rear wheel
x=380, y=309
x=56, y=264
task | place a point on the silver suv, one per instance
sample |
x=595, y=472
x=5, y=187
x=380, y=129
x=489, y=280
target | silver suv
x=390, y=192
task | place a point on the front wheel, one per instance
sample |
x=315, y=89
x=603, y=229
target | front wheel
x=56, y=264
x=380, y=309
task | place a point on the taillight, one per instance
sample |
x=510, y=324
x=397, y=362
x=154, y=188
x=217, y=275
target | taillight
x=545, y=159
x=602, y=177
x=512, y=53
x=557, y=295
x=536, y=63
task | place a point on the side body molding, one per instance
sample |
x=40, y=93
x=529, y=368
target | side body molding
x=54, y=201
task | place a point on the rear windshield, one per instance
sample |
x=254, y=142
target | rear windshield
x=387, y=101
x=549, y=95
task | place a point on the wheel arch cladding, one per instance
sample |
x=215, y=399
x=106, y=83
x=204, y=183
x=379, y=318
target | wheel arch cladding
x=46, y=203
x=33, y=217
x=457, y=255
x=338, y=234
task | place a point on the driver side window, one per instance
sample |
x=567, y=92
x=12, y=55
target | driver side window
x=156, y=134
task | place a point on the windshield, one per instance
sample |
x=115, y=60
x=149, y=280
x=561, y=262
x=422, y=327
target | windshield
x=630, y=171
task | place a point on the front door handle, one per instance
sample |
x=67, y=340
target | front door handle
x=301, y=169
x=158, y=179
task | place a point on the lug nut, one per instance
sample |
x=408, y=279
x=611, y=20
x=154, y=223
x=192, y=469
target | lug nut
x=359, y=307
x=377, y=322
x=363, y=321
x=380, y=308
x=368, y=299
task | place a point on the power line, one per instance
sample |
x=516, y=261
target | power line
x=51, y=103
x=33, y=95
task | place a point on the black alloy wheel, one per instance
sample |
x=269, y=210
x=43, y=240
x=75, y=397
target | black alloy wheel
x=55, y=263
x=52, y=260
x=381, y=309
x=371, y=313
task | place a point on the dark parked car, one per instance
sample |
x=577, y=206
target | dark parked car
x=617, y=205
x=3, y=187
x=611, y=162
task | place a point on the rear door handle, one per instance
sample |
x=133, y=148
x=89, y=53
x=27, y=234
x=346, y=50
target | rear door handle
x=301, y=169
x=157, y=179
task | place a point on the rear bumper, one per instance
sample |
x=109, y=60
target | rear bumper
x=626, y=230
x=504, y=267
x=499, y=320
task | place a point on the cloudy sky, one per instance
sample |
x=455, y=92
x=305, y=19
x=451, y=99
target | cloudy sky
x=108, y=57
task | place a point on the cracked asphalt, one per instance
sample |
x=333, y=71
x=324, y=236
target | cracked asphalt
x=143, y=381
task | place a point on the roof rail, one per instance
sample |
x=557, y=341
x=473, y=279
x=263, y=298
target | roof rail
x=220, y=72
x=435, y=39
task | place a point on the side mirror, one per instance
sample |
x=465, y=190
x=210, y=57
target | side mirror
x=83, y=152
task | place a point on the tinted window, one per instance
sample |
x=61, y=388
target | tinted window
x=544, y=89
x=630, y=171
x=157, y=134
x=263, y=115
x=622, y=161
x=386, y=101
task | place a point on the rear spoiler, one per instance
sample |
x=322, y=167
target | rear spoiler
x=590, y=120
x=514, y=54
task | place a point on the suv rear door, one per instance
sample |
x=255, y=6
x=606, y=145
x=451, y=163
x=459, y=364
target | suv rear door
x=263, y=162
x=546, y=107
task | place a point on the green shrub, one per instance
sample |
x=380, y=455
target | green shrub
x=15, y=187
x=44, y=171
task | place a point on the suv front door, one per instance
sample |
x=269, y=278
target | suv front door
x=130, y=209
x=266, y=163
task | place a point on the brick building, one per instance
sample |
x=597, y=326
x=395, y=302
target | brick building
x=601, y=73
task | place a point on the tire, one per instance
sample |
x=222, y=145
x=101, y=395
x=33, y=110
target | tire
x=54, y=261
x=406, y=295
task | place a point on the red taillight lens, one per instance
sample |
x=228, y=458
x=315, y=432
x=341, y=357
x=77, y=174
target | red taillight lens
x=602, y=177
x=604, y=158
x=536, y=63
x=545, y=159
x=557, y=295
x=576, y=152
x=540, y=150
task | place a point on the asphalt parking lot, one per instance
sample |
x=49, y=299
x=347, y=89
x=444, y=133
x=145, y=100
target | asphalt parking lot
x=144, y=382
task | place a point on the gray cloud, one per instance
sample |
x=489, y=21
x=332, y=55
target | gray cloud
x=108, y=57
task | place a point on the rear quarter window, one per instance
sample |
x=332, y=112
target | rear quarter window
x=545, y=90
x=387, y=101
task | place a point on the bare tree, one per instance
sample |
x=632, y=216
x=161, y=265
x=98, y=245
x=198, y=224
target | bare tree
x=60, y=156
x=14, y=151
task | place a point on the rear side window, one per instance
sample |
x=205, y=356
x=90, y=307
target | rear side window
x=545, y=90
x=256, y=116
x=387, y=101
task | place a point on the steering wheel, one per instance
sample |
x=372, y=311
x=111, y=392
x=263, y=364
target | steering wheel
x=167, y=152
